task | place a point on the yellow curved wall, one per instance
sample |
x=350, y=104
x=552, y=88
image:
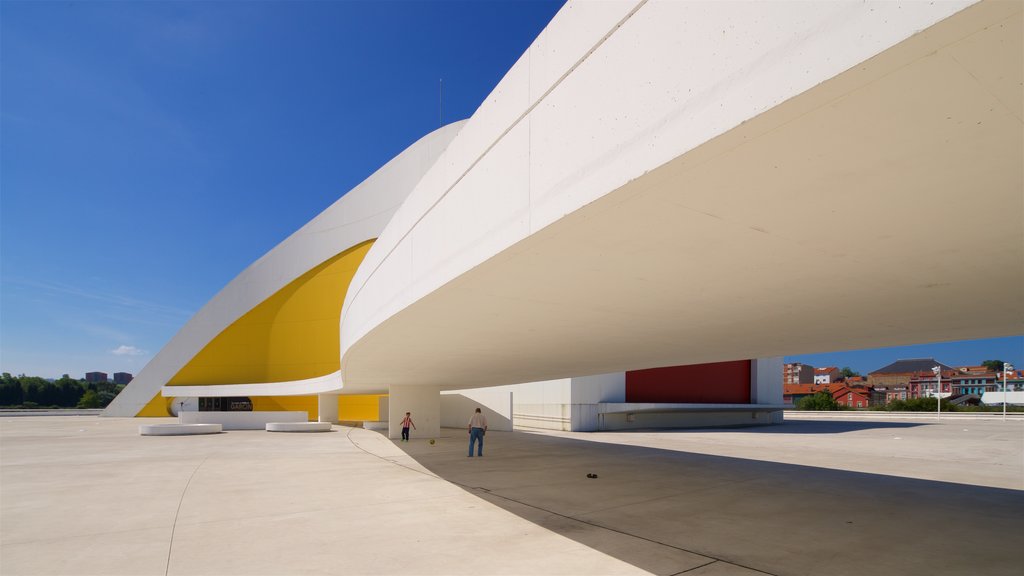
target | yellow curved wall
x=293, y=335
x=351, y=408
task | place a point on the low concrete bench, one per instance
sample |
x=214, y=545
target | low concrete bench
x=298, y=426
x=373, y=425
x=256, y=420
x=179, y=429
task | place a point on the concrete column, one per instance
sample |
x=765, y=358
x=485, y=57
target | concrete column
x=425, y=404
x=766, y=384
x=327, y=408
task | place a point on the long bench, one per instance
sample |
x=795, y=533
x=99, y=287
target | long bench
x=243, y=420
x=179, y=429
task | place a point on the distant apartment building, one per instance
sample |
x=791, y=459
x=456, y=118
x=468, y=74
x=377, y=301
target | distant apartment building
x=894, y=379
x=827, y=375
x=797, y=373
x=976, y=380
x=122, y=377
x=923, y=384
x=96, y=377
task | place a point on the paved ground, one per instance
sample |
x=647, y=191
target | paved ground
x=87, y=495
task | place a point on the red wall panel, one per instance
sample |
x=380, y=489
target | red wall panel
x=717, y=382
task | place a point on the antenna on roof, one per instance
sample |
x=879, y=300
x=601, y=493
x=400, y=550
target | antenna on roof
x=440, y=117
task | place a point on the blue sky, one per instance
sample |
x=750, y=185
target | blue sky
x=150, y=151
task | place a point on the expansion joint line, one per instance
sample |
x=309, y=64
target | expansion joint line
x=500, y=137
x=348, y=435
x=711, y=559
x=174, y=525
x=469, y=488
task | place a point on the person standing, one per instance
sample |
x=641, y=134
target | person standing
x=477, y=428
x=406, y=422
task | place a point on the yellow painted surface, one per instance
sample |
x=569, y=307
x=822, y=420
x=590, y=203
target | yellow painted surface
x=290, y=403
x=359, y=407
x=293, y=335
x=158, y=407
x=350, y=408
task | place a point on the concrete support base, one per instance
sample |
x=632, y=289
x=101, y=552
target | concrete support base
x=424, y=402
x=327, y=408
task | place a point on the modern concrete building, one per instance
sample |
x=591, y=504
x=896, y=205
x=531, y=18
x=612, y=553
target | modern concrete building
x=638, y=192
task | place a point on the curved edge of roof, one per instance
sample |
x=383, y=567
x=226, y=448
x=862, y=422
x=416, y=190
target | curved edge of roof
x=319, y=385
x=359, y=215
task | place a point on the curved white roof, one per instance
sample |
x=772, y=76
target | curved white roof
x=356, y=217
x=662, y=183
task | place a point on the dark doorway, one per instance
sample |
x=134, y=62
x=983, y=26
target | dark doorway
x=233, y=404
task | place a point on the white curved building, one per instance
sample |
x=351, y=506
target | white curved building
x=660, y=183
x=272, y=333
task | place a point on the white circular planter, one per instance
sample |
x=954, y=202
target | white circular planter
x=298, y=426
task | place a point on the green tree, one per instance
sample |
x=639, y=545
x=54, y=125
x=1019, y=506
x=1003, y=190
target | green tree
x=91, y=399
x=993, y=365
x=105, y=398
x=821, y=401
x=11, y=393
x=69, y=391
x=848, y=372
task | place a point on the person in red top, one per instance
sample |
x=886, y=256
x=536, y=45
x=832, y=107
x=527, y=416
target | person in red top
x=406, y=422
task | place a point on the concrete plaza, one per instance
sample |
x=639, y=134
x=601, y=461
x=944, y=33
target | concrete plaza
x=88, y=495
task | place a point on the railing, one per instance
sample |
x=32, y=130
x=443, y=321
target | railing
x=884, y=415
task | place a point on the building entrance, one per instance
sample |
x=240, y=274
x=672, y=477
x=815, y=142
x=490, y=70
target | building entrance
x=232, y=404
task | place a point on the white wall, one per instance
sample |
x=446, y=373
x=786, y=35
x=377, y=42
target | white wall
x=425, y=404
x=588, y=392
x=534, y=405
x=494, y=404
x=568, y=404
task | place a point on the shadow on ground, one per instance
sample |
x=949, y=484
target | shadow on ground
x=670, y=512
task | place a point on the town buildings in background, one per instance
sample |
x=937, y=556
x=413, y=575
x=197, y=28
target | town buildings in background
x=901, y=380
x=98, y=377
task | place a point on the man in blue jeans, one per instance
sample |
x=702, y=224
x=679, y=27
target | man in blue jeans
x=477, y=428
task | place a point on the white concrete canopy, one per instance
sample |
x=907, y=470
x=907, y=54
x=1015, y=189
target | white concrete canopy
x=662, y=183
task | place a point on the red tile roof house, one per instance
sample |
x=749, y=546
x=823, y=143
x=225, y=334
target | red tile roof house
x=852, y=397
x=793, y=393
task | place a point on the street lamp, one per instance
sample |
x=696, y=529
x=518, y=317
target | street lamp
x=1006, y=368
x=938, y=390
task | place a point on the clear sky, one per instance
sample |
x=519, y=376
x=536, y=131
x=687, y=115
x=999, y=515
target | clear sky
x=150, y=151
